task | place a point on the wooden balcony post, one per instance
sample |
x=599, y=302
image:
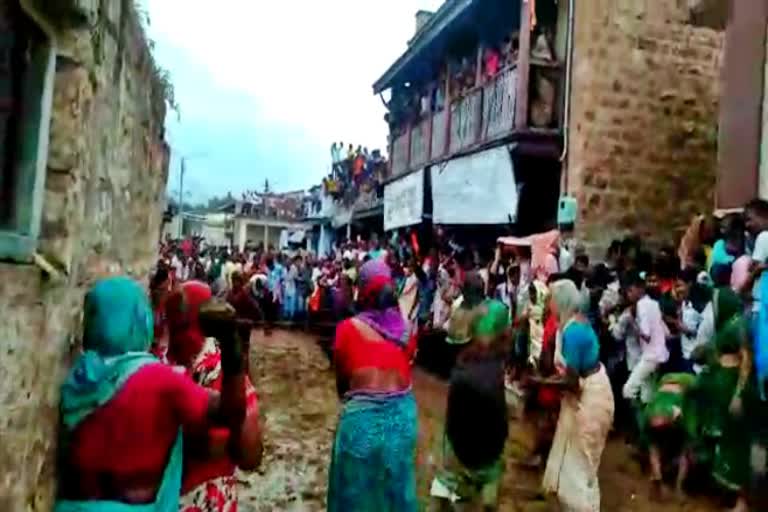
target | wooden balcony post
x=430, y=127
x=523, y=66
x=479, y=83
x=479, y=66
x=447, y=109
x=408, y=152
x=739, y=138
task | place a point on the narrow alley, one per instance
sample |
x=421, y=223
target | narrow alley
x=532, y=235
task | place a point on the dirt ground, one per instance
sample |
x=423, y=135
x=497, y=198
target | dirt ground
x=299, y=404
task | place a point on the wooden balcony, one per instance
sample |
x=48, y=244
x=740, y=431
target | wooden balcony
x=498, y=114
x=478, y=118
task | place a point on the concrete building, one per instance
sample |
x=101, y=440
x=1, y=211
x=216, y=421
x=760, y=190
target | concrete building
x=611, y=103
x=216, y=228
x=318, y=211
x=263, y=218
x=90, y=187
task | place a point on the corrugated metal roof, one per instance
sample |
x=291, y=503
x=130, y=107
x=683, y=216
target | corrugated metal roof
x=442, y=19
x=457, y=21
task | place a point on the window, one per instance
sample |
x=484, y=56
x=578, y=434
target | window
x=27, y=67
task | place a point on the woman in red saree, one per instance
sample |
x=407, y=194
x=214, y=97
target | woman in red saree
x=240, y=298
x=209, y=484
x=124, y=414
x=373, y=461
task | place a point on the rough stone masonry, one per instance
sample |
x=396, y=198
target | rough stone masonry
x=644, y=105
x=104, y=191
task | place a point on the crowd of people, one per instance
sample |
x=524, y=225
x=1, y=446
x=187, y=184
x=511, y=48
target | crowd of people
x=355, y=171
x=463, y=72
x=665, y=347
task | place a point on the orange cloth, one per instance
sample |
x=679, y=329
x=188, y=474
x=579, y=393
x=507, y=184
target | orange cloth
x=690, y=242
x=357, y=165
x=543, y=249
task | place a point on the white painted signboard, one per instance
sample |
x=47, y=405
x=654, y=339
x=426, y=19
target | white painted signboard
x=404, y=201
x=476, y=189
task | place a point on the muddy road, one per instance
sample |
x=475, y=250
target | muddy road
x=299, y=404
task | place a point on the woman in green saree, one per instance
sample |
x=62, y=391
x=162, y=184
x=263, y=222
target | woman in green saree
x=713, y=414
x=471, y=462
x=663, y=429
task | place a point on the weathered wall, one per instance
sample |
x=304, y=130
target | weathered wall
x=107, y=169
x=642, y=146
x=741, y=103
x=763, y=171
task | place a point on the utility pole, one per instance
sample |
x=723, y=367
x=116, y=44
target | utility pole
x=181, y=196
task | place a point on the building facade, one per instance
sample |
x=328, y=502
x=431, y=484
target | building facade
x=610, y=103
x=86, y=201
x=318, y=209
x=261, y=219
x=642, y=137
x=216, y=228
x=743, y=140
x=475, y=116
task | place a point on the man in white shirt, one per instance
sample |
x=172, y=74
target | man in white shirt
x=652, y=334
x=317, y=273
x=685, y=319
x=623, y=329
x=178, y=267
x=507, y=291
x=690, y=319
x=229, y=268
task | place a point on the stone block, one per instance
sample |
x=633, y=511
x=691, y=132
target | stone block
x=71, y=108
x=76, y=46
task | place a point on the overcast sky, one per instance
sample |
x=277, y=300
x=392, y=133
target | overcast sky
x=265, y=86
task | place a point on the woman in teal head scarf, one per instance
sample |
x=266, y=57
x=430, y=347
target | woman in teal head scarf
x=123, y=411
x=117, y=332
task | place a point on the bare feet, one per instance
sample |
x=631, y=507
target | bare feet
x=657, y=491
x=680, y=496
x=741, y=505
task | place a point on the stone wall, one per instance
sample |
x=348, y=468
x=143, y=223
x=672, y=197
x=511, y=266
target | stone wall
x=644, y=106
x=107, y=169
x=762, y=186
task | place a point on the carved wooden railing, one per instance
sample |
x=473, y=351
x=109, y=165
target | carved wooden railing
x=438, y=134
x=482, y=115
x=420, y=143
x=465, y=118
x=499, y=105
x=400, y=155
